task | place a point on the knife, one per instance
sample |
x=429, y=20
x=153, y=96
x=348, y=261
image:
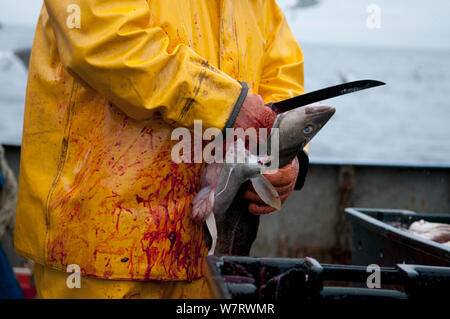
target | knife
x=324, y=94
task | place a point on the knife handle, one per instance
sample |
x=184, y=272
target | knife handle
x=273, y=107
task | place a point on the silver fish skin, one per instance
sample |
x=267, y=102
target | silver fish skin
x=221, y=184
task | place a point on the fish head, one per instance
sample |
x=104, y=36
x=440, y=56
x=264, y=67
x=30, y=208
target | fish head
x=312, y=119
x=298, y=127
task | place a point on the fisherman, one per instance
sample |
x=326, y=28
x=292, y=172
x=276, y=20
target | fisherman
x=9, y=286
x=108, y=82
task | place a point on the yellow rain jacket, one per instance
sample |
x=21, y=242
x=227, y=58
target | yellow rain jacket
x=108, y=82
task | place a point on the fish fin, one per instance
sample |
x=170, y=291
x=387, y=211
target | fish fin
x=212, y=228
x=266, y=191
x=203, y=204
x=223, y=179
x=202, y=194
x=303, y=161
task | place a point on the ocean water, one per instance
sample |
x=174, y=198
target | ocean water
x=408, y=120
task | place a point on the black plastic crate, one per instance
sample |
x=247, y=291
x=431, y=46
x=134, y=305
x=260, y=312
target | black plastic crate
x=377, y=238
x=232, y=277
x=252, y=278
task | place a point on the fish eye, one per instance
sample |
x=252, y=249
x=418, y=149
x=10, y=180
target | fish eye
x=308, y=129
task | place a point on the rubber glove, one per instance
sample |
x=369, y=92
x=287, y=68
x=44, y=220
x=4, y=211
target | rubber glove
x=282, y=179
x=254, y=113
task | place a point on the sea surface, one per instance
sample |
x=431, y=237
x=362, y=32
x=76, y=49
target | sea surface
x=408, y=120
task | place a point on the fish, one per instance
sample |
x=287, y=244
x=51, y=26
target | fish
x=437, y=232
x=230, y=229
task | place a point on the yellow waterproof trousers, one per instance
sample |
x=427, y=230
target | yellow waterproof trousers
x=52, y=284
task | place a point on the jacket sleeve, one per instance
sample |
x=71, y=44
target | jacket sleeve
x=117, y=53
x=282, y=65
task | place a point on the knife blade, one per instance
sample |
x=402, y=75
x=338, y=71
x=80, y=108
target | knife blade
x=324, y=94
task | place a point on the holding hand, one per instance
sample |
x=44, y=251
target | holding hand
x=283, y=180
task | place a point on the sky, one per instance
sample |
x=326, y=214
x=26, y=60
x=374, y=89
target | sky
x=20, y=12
x=403, y=23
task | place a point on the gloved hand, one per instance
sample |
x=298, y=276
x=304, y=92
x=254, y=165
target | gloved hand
x=254, y=113
x=284, y=182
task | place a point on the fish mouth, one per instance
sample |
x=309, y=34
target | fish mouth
x=320, y=114
x=319, y=109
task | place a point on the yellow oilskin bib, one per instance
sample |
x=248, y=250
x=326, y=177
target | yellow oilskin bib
x=109, y=80
x=55, y=284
